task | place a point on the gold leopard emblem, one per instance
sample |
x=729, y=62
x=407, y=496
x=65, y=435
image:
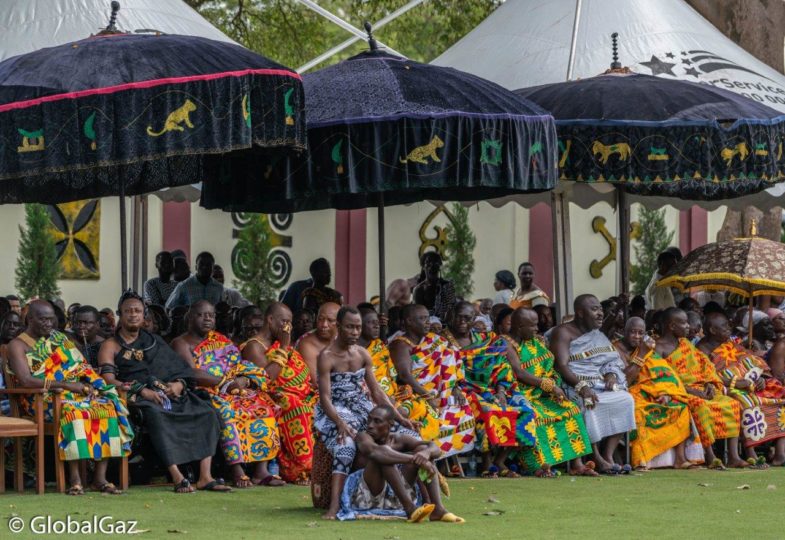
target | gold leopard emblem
x=422, y=153
x=175, y=119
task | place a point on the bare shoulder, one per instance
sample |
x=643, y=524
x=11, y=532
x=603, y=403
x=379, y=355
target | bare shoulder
x=563, y=332
x=362, y=352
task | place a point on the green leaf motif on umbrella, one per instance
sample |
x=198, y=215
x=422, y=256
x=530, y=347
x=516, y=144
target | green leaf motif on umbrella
x=491, y=153
x=89, y=130
x=658, y=154
x=288, y=109
x=337, y=156
x=246, y=109
x=32, y=141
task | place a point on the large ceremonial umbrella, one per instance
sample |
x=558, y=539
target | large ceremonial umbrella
x=386, y=130
x=749, y=267
x=662, y=137
x=119, y=114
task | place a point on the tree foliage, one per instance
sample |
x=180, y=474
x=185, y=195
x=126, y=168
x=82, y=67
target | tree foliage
x=459, y=251
x=37, y=269
x=254, y=245
x=288, y=32
x=654, y=239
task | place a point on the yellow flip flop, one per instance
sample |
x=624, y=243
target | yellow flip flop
x=449, y=517
x=422, y=513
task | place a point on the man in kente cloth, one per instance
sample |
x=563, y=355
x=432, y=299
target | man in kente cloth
x=427, y=363
x=716, y=416
x=559, y=428
x=311, y=344
x=289, y=387
x=415, y=408
x=594, y=377
x=387, y=467
x=504, y=421
x=238, y=391
x=345, y=380
x=662, y=414
x=93, y=420
x=182, y=426
x=750, y=382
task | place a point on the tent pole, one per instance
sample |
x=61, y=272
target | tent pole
x=145, y=234
x=382, y=278
x=123, y=247
x=562, y=255
x=574, y=41
x=624, y=240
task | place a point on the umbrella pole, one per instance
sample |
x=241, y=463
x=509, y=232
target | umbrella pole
x=382, y=278
x=624, y=240
x=123, y=250
x=749, y=322
x=574, y=40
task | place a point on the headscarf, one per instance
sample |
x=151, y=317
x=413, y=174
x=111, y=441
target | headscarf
x=773, y=313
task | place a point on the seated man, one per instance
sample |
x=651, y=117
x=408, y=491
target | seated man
x=270, y=348
x=662, y=415
x=715, y=415
x=504, y=421
x=182, y=427
x=86, y=333
x=311, y=344
x=93, y=421
x=415, y=408
x=345, y=380
x=387, y=468
x=238, y=391
x=750, y=382
x=594, y=374
x=559, y=428
x=427, y=363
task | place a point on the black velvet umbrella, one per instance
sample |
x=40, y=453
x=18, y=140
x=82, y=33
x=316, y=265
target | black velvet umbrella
x=384, y=126
x=119, y=114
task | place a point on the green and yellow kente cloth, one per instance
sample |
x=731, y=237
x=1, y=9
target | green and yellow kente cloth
x=91, y=427
x=559, y=429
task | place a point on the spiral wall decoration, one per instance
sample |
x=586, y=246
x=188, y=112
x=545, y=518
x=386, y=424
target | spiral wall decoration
x=279, y=262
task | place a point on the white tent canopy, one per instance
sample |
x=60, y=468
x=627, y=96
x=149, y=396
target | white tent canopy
x=29, y=25
x=527, y=43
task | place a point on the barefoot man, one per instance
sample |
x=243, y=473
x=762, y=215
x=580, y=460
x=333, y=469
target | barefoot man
x=388, y=465
x=345, y=371
x=312, y=343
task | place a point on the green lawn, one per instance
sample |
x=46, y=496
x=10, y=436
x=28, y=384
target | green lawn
x=663, y=504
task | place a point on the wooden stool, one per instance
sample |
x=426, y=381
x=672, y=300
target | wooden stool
x=321, y=475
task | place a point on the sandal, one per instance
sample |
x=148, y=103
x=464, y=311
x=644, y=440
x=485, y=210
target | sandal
x=508, y=473
x=183, y=487
x=545, y=472
x=271, y=480
x=215, y=485
x=75, y=489
x=449, y=517
x=421, y=513
x=107, y=488
x=717, y=465
x=242, y=482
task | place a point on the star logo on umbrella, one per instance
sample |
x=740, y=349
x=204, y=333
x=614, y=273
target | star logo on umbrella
x=659, y=67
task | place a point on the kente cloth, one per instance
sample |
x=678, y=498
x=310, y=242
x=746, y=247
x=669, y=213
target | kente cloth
x=415, y=408
x=250, y=431
x=659, y=426
x=436, y=368
x=530, y=299
x=763, y=414
x=349, y=396
x=714, y=419
x=486, y=371
x=91, y=427
x=188, y=429
x=559, y=429
x=293, y=394
x=592, y=356
x=358, y=502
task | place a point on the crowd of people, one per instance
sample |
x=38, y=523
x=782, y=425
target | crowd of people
x=194, y=373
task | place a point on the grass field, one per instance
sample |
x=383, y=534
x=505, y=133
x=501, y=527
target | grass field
x=663, y=504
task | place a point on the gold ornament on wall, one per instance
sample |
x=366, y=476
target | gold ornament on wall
x=76, y=229
x=439, y=242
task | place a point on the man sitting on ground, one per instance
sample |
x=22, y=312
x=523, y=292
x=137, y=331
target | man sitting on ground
x=594, y=374
x=345, y=380
x=388, y=465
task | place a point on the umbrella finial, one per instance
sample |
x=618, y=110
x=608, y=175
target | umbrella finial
x=371, y=41
x=111, y=28
x=754, y=228
x=615, y=45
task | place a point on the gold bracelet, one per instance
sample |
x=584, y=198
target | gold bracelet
x=547, y=385
x=638, y=361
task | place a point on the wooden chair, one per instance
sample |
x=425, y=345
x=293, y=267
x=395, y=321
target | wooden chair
x=17, y=428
